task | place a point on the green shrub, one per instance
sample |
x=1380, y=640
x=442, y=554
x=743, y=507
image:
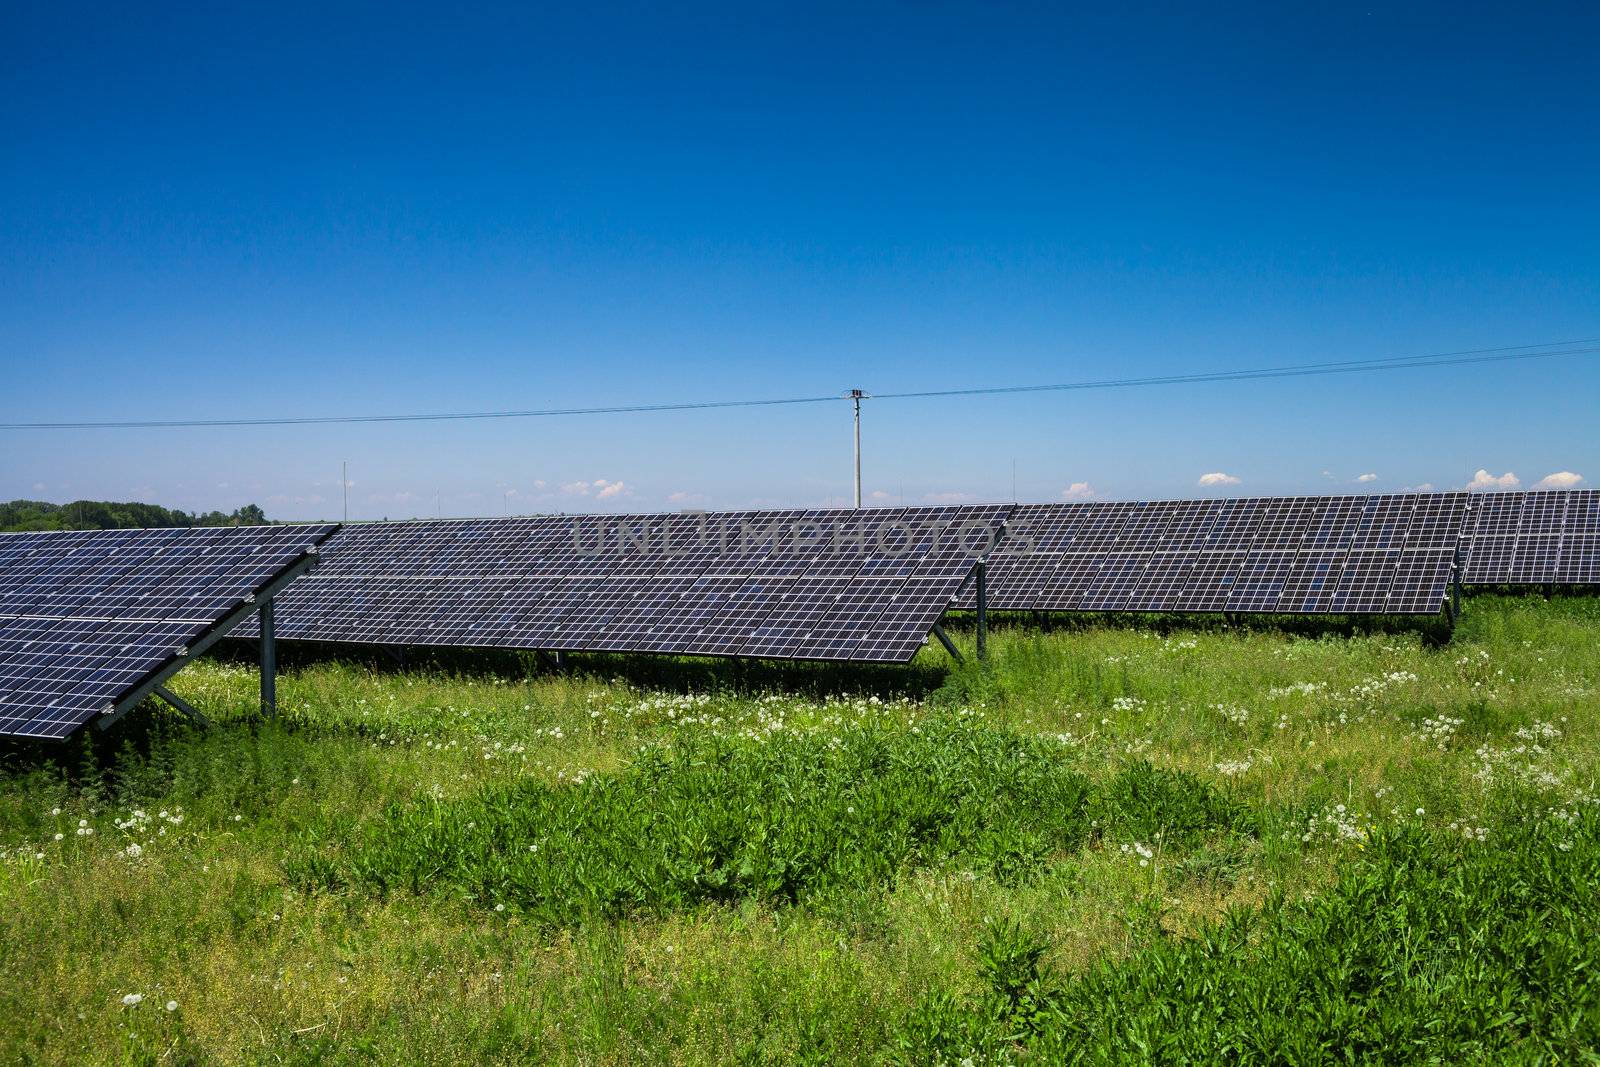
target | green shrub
x=720, y=817
x=1428, y=948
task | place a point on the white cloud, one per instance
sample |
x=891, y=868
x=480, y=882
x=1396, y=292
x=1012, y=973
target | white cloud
x=1484, y=482
x=1078, y=491
x=1425, y=487
x=879, y=494
x=539, y=483
x=1218, y=478
x=39, y=487
x=1366, y=477
x=600, y=489
x=947, y=498
x=1558, y=480
x=681, y=497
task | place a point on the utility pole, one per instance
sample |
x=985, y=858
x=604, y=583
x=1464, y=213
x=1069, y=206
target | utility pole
x=856, y=396
x=344, y=484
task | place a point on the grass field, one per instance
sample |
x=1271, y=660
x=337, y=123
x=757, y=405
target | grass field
x=1112, y=844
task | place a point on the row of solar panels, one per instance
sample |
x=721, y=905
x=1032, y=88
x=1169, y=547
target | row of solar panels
x=87, y=617
x=821, y=585
x=88, y=620
x=530, y=583
x=1387, y=554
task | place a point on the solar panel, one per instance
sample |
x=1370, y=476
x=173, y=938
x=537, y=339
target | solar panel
x=1580, y=539
x=1366, y=554
x=88, y=618
x=821, y=584
x=1035, y=539
x=1162, y=582
x=796, y=613
x=1580, y=561
x=1262, y=580
x=1536, y=538
x=1490, y=541
x=1211, y=580
x=1308, y=588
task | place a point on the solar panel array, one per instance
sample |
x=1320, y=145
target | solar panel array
x=86, y=616
x=1538, y=538
x=1293, y=555
x=826, y=585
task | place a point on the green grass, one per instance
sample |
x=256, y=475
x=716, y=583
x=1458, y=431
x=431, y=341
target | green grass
x=1114, y=843
x=1429, y=947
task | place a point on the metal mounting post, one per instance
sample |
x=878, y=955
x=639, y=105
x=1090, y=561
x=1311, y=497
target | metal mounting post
x=1454, y=605
x=983, y=611
x=180, y=705
x=949, y=645
x=269, y=661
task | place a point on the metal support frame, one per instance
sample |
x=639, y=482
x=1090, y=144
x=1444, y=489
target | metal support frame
x=157, y=678
x=982, y=591
x=980, y=579
x=180, y=705
x=1452, y=606
x=949, y=645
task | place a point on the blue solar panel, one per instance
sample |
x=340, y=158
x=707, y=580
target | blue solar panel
x=86, y=617
x=679, y=583
x=1370, y=554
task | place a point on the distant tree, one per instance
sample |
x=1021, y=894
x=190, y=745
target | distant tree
x=19, y=515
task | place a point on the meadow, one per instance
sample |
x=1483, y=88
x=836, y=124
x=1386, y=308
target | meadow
x=1115, y=842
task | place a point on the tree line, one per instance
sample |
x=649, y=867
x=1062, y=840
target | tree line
x=108, y=515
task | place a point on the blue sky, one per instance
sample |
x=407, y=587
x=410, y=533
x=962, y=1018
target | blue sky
x=366, y=210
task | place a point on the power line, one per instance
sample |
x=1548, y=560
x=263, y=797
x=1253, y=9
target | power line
x=1442, y=359
x=1544, y=350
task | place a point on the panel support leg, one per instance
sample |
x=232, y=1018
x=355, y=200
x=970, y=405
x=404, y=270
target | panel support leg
x=269, y=661
x=180, y=705
x=1455, y=587
x=949, y=645
x=983, y=611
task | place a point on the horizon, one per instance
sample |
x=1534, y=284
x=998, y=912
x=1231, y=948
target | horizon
x=882, y=505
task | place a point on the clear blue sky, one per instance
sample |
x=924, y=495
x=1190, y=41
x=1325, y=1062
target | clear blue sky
x=317, y=210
